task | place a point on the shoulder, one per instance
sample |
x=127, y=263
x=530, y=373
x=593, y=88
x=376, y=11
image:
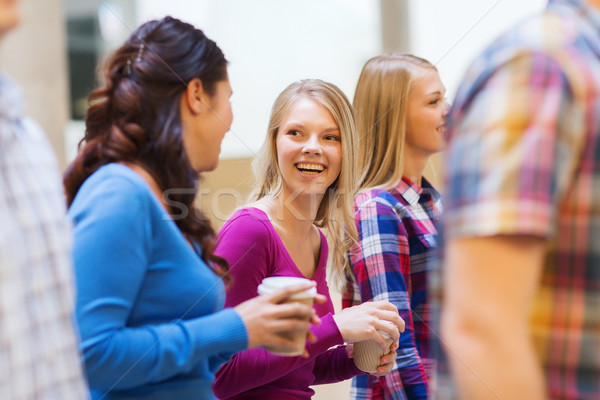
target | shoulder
x=250, y=247
x=547, y=39
x=248, y=233
x=247, y=221
x=112, y=189
x=119, y=176
x=38, y=149
x=376, y=202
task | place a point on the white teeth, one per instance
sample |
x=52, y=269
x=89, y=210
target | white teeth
x=311, y=167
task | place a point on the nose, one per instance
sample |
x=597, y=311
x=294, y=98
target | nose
x=312, y=145
x=446, y=109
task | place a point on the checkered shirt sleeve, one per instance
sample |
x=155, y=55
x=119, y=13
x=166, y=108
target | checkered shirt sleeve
x=512, y=152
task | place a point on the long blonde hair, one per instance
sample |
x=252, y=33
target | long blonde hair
x=336, y=210
x=380, y=102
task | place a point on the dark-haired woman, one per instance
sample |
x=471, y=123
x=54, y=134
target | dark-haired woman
x=150, y=290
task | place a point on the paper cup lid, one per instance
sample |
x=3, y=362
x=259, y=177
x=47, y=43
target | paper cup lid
x=275, y=283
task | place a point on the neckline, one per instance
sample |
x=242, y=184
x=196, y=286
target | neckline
x=267, y=221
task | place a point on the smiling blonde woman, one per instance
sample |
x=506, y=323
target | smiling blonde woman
x=306, y=181
x=401, y=113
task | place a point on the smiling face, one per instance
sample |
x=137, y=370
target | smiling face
x=309, y=148
x=426, y=115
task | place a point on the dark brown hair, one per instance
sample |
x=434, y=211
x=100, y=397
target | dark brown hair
x=134, y=117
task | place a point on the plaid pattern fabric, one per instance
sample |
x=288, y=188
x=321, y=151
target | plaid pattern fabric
x=524, y=158
x=396, y=235
x=38, y=346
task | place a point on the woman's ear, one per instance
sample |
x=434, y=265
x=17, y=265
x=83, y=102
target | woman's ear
x=195, y=96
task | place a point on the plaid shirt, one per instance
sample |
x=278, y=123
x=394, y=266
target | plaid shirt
x=524, y=159
x=38, y=345
x=396, y=235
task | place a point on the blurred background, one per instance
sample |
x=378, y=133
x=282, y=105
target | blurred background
x=269, y=43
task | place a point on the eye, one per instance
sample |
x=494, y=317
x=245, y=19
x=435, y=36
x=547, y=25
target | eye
x=434, y=102
x=293, y=132
x=333, y=138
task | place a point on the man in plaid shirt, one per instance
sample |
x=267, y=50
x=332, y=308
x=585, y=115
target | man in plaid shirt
x=521, y=280
x=39, y=358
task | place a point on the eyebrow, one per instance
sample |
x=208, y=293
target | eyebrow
x=301, y=126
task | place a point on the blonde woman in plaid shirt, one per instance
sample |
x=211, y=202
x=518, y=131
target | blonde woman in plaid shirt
x=401, y=113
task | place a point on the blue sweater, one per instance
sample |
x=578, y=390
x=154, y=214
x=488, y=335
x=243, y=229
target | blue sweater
x=150, y=311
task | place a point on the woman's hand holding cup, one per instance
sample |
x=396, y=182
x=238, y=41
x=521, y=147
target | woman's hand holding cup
x=279, y=319
x=374, y=328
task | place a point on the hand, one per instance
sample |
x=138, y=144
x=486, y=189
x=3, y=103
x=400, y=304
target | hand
x=361, y=322
x=350, y=350
x=387, y=363
x=266, y=317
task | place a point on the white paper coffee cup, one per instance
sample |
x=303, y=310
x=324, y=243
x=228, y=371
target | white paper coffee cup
x=367, y=353
x=274, y=284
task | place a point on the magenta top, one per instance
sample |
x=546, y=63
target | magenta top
x=254, y=251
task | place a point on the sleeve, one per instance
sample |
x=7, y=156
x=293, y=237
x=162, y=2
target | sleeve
x=245, y=243
x=382, y=269
x=513, y=149
x=334, y=366
x=111, y=255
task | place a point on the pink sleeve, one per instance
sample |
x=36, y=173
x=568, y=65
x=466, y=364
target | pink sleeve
x=257, y=367
x=334, y=366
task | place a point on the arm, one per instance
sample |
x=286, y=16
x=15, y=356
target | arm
x=334, y=366
x=111, y=254
x=485, y=327
x=382, y=268
x=257, y=367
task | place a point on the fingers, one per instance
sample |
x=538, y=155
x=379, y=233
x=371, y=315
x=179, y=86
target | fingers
x=288, y=324
x=388, y=327
x=315, y=320
x=389, y=312
x=388, y=358
x=293, y=310
x=381, y=341
x=387, y=363
x=400, y=323
x=384, y=305
x=320, y=299
x=280, y=344
x=283, y=294
x=350, y=350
